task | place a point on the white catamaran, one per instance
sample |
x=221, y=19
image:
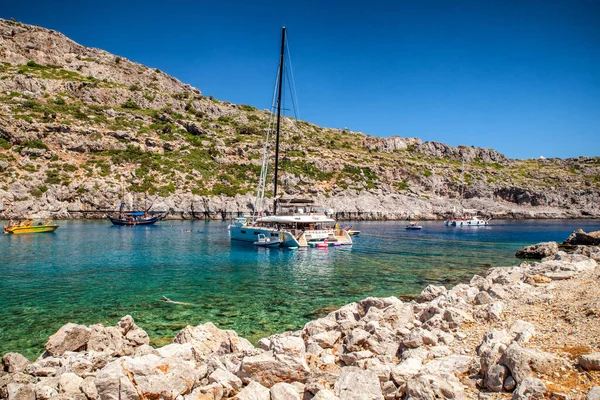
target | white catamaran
x=294, y=222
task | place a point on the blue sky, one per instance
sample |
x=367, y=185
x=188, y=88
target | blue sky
x=519, y=76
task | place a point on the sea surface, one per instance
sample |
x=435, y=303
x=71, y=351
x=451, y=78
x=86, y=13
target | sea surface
x=91, y=272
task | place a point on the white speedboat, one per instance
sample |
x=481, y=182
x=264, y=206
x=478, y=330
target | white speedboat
x=264, y=241
x=468, y=221
x=414, y=226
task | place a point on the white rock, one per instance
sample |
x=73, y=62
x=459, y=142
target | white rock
x=284, y=391
x=496, y=374
x=325, y=394
x=427, y=387
x=254, y=391
x=88, y=387
x=183, y=351
x=69, y=383
x=594, y=393
x=71, y=337
x=14, y=362
x=268, y=368
x=356, y=384
x=327, y=339
x=430, y=293
x=226, y=379
x=529, y=388
x=20, y=391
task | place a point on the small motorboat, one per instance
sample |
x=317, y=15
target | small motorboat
x=414, y=226
x=30, y=226
x=264, y=241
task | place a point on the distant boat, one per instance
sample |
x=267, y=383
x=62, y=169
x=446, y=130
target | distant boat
x=414, y=226
x=134, y=218
x=467, y=217
x=468, y=221
x=30, y=226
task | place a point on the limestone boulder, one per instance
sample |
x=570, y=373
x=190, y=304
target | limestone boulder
x=327, y=339
x=580, y=237
x=69, y=383
x=357, y=384
x=149, y=376
x=20, y=391
x=254, y=391
x=224, y=378
x=284, y=391
x=183, y=351
x=590, y=362
x=530, y=388
x=430, y=293
x=524, y=362
x=71, y=337
x=376, y=303
x=593, y=394
x=496, y=375
x=269, y=368
x=325, y=394
x=427, y=387
x=14, y=362
x=538, y=251
x=397, y=315
x=207, y=339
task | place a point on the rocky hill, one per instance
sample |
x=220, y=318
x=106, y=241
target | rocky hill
x=78, y=126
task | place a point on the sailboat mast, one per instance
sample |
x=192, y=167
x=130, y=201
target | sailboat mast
x=280, y=88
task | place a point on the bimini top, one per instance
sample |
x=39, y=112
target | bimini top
x=290, y=219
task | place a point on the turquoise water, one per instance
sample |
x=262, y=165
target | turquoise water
x=92, y=272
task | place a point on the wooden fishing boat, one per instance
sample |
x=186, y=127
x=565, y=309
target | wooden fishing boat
x=30, y=226
x=134, y=218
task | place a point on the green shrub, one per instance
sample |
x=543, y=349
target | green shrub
x=33, y=64
x=117, y=60
x=35, y=144
x=59, y=101
x=246, y=107
x=52, y=177
x=248, y=130
x=130, y=104
x=5, y=144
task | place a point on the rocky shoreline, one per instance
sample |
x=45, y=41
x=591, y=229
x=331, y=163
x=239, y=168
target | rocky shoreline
x=350, y=205
x=527, y=331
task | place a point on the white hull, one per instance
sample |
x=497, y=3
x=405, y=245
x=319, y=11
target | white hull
x=468, y=222
x=289, y=238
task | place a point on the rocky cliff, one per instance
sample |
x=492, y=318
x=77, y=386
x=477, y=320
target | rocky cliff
x=80, y=126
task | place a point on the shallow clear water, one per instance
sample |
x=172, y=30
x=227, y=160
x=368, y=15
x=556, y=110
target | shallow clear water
x=91, y=272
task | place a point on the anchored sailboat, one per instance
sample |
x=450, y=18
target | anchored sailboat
x=294, y=222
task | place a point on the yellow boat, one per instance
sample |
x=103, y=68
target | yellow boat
x=30, y=226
